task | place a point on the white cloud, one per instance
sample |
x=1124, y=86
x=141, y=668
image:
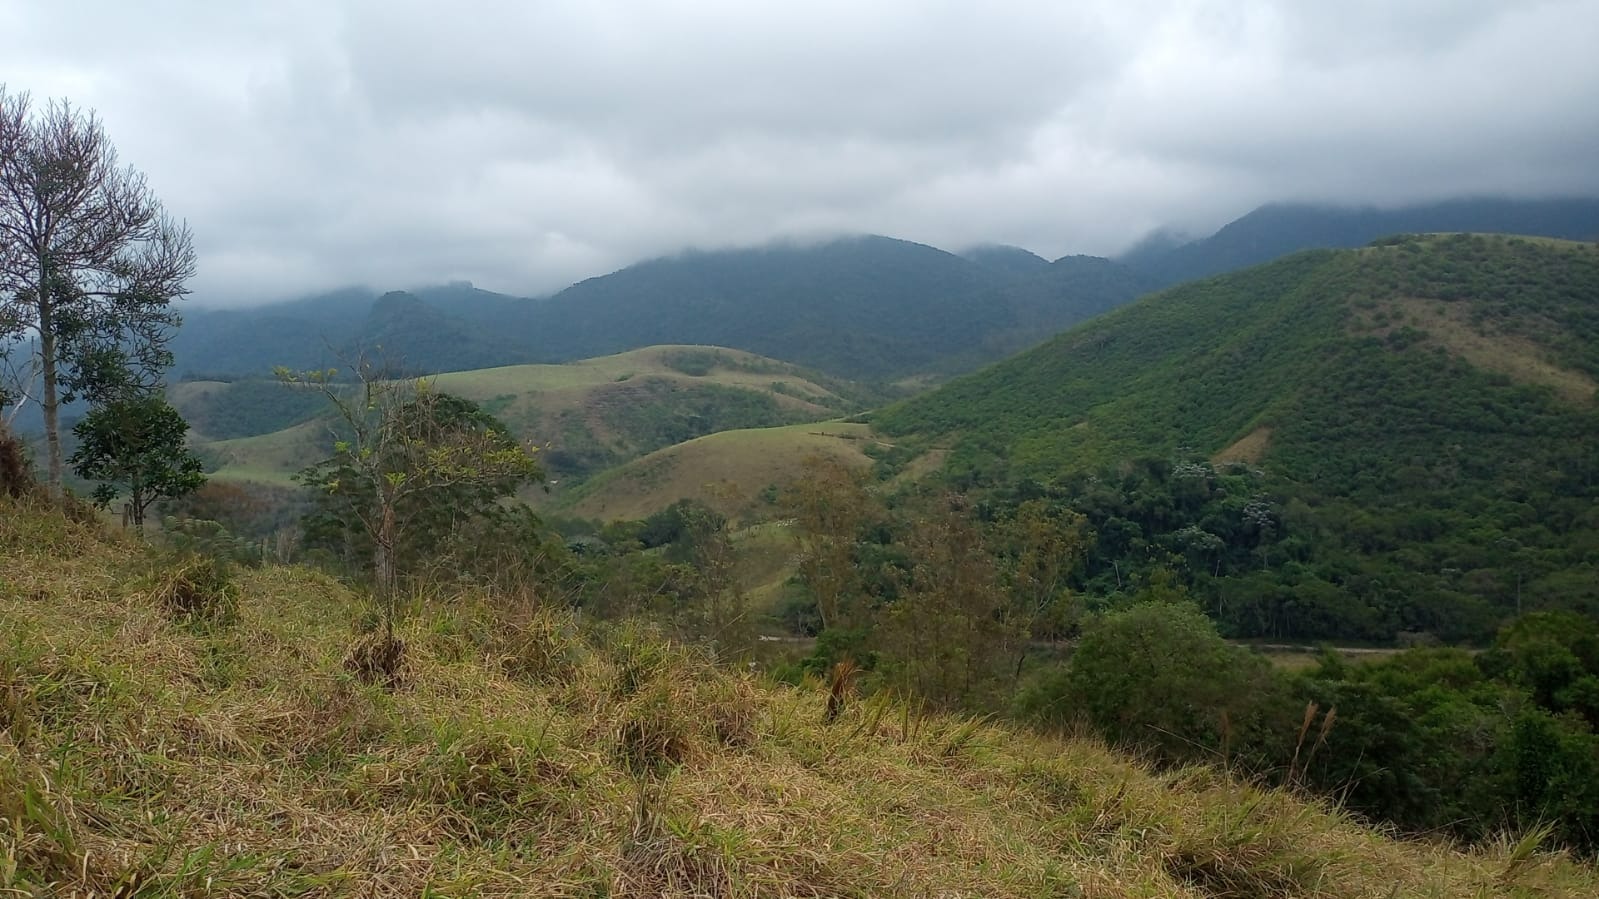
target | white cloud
x=524, y=146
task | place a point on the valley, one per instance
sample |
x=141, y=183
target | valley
x=799, y=451
x=1339, y=484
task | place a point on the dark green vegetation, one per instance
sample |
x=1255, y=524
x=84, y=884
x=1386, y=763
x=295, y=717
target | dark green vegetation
x=223, y=410
x=135, y=446
x=860, y=307
x=1282, y=228
x=1345, y=444
x=977, y=606
x=1431, y=740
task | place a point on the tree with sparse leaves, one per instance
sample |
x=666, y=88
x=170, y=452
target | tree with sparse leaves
x=830, y=506
x=89, y=264
x=409, y=464
x=135, y=447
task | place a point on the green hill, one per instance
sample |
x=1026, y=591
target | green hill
x=1417, y=420
x=586, y=416
x=149, y=750
x=861, y=307
x=728, y=471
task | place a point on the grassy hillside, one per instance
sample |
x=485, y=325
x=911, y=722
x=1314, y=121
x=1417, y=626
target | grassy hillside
x=1429, y=403
x=729, y=471
x=146, y=752
x=587, y=415
x=225, y=410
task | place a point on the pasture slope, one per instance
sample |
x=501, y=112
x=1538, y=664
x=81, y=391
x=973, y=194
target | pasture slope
x=586, y=416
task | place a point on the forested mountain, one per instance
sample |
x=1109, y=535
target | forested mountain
x=867, y=306
x=1279, y=229
x=1344, y=444
x=1005, y=258
x=857, y=307
x=860, y=307
x=254, y=339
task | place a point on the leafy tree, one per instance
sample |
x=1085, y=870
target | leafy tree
x=1158, y=676
x=1040, y=548
x=947, y=637
x=830, y=506
x=409, y=465
x=89, y=262
x=136, y=445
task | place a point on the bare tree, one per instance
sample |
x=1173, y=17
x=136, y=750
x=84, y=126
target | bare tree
x=89, y=262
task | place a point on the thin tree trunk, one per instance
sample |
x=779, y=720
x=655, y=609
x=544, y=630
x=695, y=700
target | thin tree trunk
x=383, y=562
x=50, y=403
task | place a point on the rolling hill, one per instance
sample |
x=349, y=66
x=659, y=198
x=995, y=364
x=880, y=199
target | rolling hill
x=727, y=471
x=587, y=415
x=1418, y=421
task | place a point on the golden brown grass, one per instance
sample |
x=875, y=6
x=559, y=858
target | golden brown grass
x=143, y=756
x=1249, y=448
x=1517, y=357
x=726, y=470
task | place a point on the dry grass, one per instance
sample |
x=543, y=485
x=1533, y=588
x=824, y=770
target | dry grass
x=726, y=470
x=1516, y=357
x=141, y=756
x=1249, y=448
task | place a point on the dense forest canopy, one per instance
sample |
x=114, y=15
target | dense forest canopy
x=1337, y=445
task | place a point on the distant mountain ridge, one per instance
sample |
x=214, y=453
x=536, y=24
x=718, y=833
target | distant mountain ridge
x=1278, y=229
x=866, y=307
x=869, y=307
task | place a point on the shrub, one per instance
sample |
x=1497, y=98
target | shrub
x=1159, y=677
x=190, y=588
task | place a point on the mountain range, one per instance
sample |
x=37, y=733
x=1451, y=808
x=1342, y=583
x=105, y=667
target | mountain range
x=869, y=307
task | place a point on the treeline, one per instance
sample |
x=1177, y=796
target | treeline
x=1014, y=606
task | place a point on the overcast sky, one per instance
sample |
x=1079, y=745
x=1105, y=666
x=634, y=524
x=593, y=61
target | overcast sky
x=525, y=145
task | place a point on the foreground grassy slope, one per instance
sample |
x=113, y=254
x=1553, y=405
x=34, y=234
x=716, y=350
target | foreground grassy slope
x=586, y=415
x=146, y=754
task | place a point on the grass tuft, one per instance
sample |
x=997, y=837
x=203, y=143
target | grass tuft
x=189, y=589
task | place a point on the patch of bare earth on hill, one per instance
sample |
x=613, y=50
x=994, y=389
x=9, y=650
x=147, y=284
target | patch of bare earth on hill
x=1515, y=356
x=1249, y=448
